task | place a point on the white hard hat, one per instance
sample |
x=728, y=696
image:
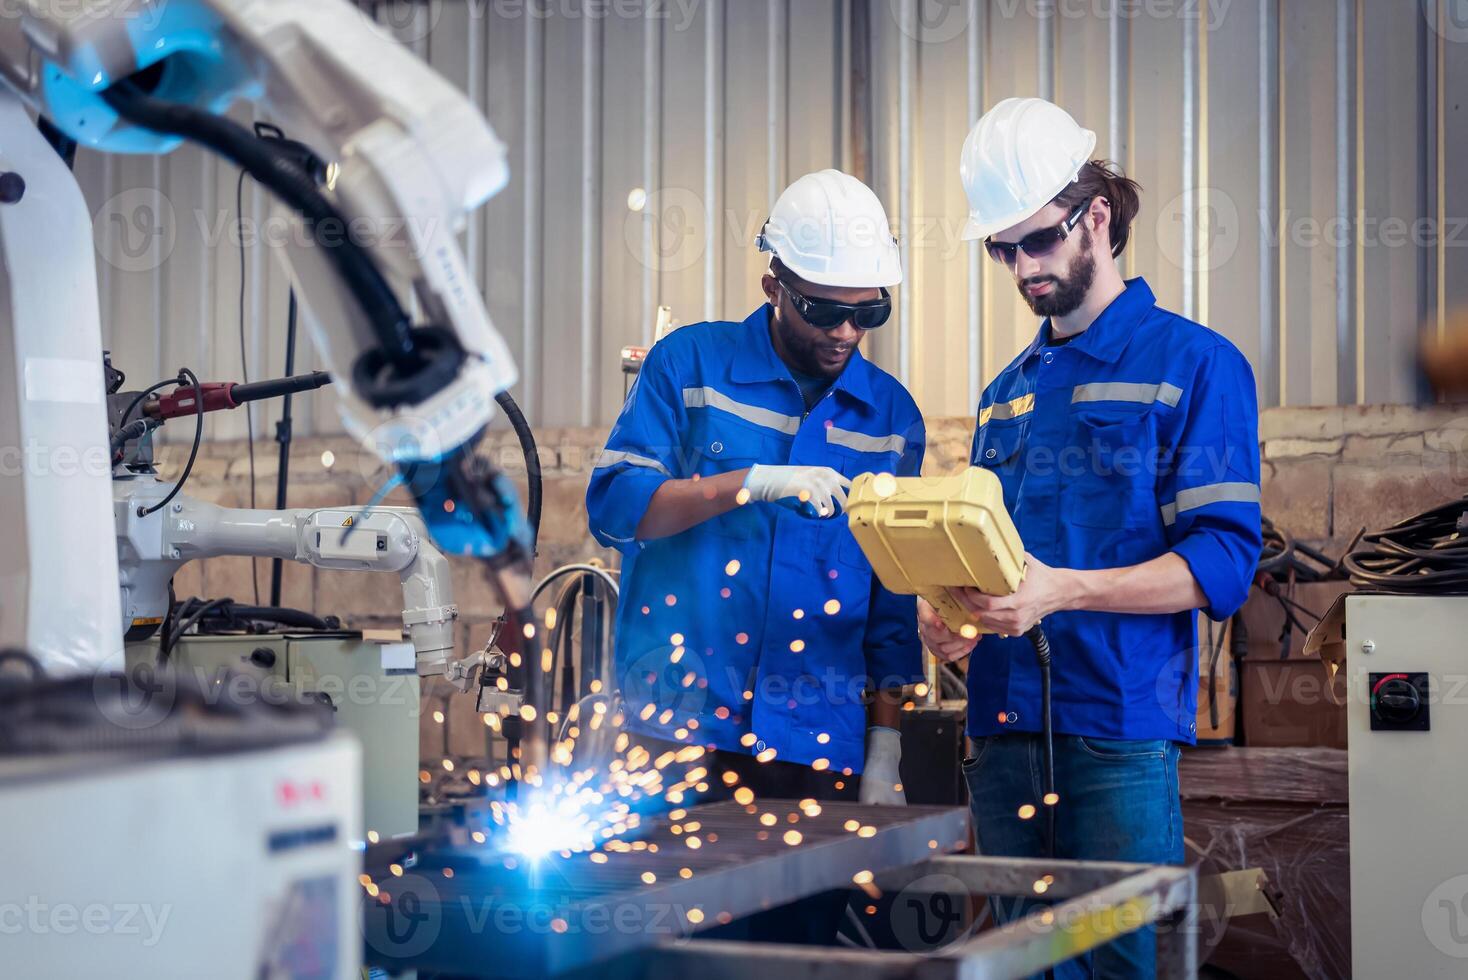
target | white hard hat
x=1018, y=156
x=829, y=228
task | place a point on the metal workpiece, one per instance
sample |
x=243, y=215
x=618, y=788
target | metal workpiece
x=1104, y=900
x=482, y=911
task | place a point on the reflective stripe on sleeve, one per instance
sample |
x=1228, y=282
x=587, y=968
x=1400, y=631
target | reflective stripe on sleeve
x=611, y=457
x=1212, y=493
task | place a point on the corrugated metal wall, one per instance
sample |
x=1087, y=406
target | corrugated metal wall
x=1295, y=158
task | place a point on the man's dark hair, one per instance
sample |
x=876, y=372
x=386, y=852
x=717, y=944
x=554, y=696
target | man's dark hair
x=1103, y=178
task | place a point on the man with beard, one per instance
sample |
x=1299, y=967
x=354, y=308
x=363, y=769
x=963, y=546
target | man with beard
x=749, y=621
x=1125, y=438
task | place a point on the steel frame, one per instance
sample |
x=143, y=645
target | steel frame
x=1103, y=900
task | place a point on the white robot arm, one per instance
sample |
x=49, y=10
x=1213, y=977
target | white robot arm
x=414, y=157
x=377, y=247
x=385, y=539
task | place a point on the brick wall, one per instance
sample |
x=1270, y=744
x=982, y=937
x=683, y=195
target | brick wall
x=1328, y=472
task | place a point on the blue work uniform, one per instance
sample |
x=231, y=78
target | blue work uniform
x=1136, y=438
x=761, y=628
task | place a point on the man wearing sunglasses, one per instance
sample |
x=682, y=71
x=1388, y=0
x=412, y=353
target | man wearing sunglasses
x=750, y=622
x=1125, y=437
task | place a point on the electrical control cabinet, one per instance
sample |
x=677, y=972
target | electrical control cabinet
x=1407, y=730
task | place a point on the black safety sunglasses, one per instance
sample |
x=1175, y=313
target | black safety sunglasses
x=1037, y=244
x=827, y=314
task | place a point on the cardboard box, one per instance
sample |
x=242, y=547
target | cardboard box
x=1286, y=704
x=1218, y=685
x=1287, y=696
x=1262, y=620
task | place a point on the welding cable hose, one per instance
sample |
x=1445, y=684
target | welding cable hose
x=534, y=488
x=1424, y=554
x=293, y=185
x=1036, y=636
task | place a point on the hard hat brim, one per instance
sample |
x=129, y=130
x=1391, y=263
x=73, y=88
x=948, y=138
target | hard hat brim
x=975, y=229
x=845, y=282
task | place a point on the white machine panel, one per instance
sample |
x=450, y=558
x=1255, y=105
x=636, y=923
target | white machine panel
x=1409, y=785
x=238, y=865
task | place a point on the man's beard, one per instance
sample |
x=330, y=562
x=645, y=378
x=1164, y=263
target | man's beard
x=803, y=351
x=1069, y=292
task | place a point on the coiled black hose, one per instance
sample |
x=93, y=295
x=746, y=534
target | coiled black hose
x=1427, y=553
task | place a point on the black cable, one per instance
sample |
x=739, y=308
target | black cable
x=64, y=145
x=1215, y=654
x=24, y=657
x=532, y=463
x=1037, y=639
x=239, y=224
x=165, y=650
x=293, y=185
x=1424, y=554
x=135, y=429
x=138, y=399
x=233, y=616
x=193, y=453
x=283, y=440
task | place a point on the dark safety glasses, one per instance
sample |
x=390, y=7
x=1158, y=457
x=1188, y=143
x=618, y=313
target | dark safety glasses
x=827, y=314
x=1037, y=244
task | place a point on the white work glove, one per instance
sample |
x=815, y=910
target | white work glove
x=814, y=491
x=881, y=783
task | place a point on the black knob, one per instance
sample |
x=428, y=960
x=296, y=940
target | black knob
x=262, y=657
x=1397, y=701
x=12, y=188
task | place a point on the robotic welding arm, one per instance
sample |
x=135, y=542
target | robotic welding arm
x=414, y=157
x=385, y=539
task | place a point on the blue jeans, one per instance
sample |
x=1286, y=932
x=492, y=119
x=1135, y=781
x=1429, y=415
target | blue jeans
x=1118, y=802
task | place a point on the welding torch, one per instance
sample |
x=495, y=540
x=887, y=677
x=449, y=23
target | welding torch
x=221, y=395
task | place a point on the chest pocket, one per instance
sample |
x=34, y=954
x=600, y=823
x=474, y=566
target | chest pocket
x=1109, y=474
x=717, y=443
x=1000, y=444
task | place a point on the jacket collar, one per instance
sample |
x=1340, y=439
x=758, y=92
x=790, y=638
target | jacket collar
x=757, y=361
x=1107, y=336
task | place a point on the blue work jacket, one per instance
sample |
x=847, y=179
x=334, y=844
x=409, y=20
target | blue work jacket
x=759, y=629
x=1136, y=438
